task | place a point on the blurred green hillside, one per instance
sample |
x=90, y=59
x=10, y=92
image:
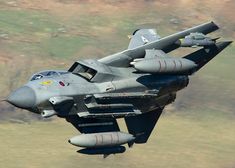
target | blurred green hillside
x=196, y=131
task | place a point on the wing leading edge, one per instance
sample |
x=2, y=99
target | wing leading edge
x=167, y=44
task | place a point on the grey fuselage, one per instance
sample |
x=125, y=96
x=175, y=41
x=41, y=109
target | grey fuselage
x=124, y=80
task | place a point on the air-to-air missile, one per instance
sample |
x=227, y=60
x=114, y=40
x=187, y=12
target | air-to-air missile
x=135, y=85
x=196, y=40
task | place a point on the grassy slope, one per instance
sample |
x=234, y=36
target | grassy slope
x=178, y=141
x=199, y=132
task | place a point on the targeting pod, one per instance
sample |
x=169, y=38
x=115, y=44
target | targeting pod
x=196, y=40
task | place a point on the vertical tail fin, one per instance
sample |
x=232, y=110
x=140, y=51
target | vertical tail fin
x=143, y=36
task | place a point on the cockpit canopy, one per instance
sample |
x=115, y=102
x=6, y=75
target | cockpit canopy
x=82, y=70
x=48, y=73
x=92, y=70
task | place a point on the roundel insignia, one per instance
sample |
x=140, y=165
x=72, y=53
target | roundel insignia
x=61, y=83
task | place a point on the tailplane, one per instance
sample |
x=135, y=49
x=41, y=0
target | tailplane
x=203, y=56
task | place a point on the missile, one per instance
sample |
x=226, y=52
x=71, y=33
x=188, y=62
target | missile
x=196, y=40
x=104, y=139
x=103, y=151
x=194, y=43
x=168, y=65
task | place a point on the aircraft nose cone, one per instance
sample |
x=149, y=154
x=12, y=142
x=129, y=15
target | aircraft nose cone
x=23, y=97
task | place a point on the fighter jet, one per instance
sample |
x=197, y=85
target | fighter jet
x=135, y=84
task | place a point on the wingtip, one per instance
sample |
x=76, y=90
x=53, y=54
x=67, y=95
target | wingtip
x=223, y=44
x=214, y=24
x=228, y=42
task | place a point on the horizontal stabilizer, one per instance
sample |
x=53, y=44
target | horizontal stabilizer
x=203, y=56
